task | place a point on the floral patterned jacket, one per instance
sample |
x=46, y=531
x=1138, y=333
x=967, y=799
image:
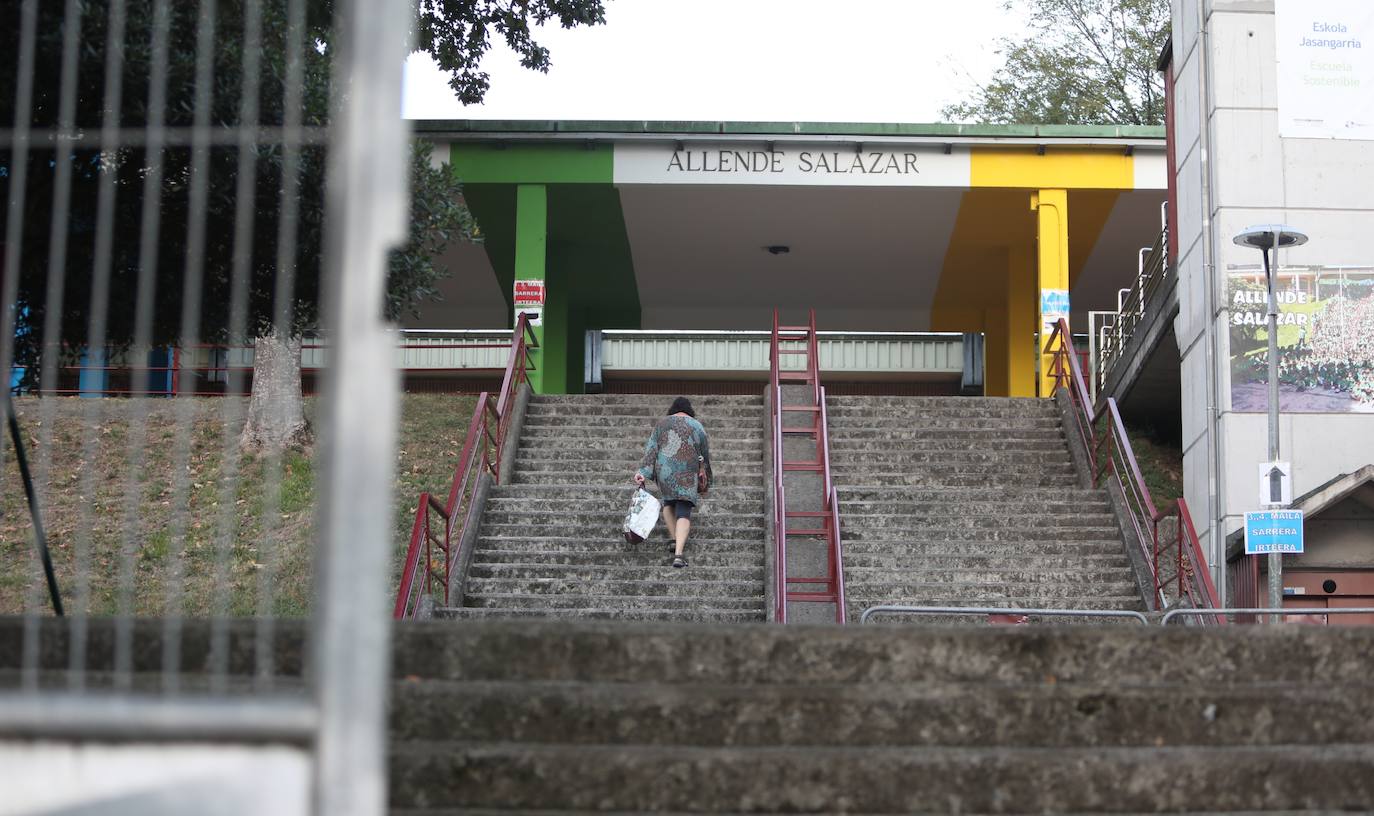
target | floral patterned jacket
x=671, y=458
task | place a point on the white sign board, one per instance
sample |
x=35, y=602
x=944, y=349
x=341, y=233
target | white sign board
x=1325, y=52
x=791, y=163
x=536, y=314
x=1276, y=483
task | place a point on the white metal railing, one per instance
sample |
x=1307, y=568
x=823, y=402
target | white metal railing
x=747, y=352
x=1111, y=333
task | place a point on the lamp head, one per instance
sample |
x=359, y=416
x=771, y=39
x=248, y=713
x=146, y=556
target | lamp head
x=1262, y=236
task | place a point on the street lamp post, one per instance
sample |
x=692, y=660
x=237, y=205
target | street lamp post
x=1266, y=237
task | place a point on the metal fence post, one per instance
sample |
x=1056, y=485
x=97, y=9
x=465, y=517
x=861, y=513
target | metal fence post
x=367, y=208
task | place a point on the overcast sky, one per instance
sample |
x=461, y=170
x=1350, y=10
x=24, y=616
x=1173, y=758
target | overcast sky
x=741, y=60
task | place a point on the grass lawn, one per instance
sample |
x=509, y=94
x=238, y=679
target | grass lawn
x=228, y=548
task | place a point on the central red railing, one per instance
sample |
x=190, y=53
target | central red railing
x=432, y=554
x=828, y=588
x=1110, y=455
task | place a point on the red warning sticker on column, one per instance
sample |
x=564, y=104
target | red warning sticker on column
x=529, y=292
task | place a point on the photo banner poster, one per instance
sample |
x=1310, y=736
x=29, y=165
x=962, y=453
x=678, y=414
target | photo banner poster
x=1325, y=54
x=1326, y=339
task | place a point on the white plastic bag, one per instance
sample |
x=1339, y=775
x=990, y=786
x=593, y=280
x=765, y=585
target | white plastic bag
x=643, y=515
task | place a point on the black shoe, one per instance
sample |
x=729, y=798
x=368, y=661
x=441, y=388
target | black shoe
x=679, y=561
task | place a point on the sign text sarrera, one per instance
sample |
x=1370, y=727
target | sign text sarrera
x=820, y=162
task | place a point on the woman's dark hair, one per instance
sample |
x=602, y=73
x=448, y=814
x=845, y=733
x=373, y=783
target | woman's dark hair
x=682, y=405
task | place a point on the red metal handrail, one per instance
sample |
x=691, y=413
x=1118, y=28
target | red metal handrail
x=1109, y=452
x=1243, y=574
x=779, y=493
x=832, y=503
x=833, y=582
x=482, y=449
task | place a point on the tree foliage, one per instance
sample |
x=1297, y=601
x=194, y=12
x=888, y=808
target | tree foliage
x=458, y=34
x=438, y=217
x=455, y=32
x=1080, y=62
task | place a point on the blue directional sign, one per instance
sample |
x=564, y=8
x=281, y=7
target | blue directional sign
x=1273, y=531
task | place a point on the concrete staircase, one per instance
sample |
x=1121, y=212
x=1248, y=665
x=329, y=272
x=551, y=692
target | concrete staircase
x=552, y=717
x=949, y=501
x=550, y=541
x=580, y=717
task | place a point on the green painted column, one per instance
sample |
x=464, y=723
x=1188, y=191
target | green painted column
x=550, y=375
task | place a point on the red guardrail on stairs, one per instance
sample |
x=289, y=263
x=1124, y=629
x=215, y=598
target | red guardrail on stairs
x=828, y=588
x=432, y=555
x=1110, y=455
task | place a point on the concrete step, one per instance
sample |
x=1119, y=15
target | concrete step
x=702, y=555
x=590, y=462
x=1031, y=537
x=827, y=655
x=853, y=447
x=942, y=403
x=611, y=405
x=877, y=714
x=720, y=503
x=538, y=542
x=867, y=600
x=611, y=476
x=615, y=464
x=592, y=519
x=897, y=458
x=605, y=492
x=642, y=424
x=973, y=521
x=518, y=600
x=665, y=582
x=840, y=425
x=645, y=779
x=967, y=477
x=608, y=613
x=634, y=430
x=881, y=492
x=851, y=415
x=650, y=568
x=913, y=550
x=1010, y=505
x=916, y=434
x=543, y=438
x=1028, y=572
x=660, y=401
x=1067, y=560
x=900, y=462
x=871, y=584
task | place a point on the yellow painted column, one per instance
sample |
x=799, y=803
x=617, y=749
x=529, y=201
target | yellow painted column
x=1022, y=309
x=1052, y=261
x=996, y=353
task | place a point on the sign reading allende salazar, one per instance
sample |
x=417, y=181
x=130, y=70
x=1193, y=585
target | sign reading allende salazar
x=1325, y=51
x=791, y=163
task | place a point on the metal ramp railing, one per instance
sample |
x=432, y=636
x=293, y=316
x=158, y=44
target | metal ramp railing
x=825, y=522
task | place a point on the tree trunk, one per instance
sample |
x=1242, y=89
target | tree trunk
x=276, y=410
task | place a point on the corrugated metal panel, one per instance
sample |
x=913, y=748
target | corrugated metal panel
x=723, y=352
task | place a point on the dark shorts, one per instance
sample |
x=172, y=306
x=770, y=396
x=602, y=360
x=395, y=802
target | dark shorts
x=681, y=508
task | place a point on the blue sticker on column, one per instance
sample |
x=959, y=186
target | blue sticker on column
x=1054, y=301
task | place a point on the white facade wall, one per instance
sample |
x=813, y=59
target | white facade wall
x=1234, y=170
